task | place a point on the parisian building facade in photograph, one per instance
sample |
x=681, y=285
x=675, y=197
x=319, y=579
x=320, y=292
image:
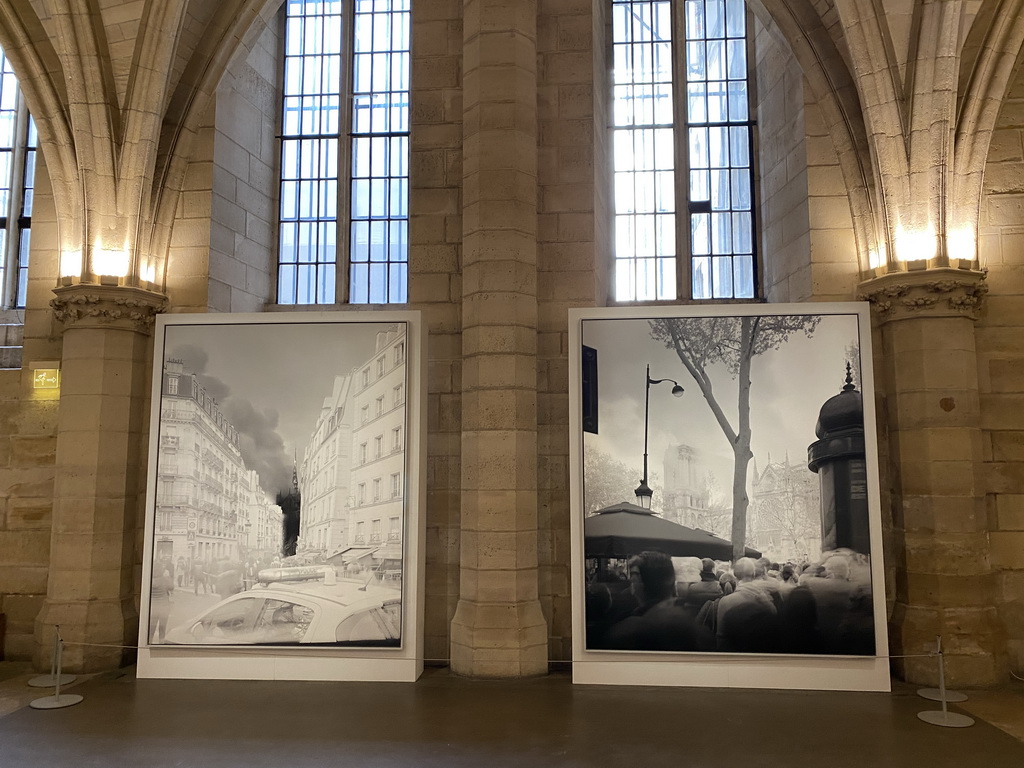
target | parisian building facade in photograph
x=209, y=506
x=352, y=475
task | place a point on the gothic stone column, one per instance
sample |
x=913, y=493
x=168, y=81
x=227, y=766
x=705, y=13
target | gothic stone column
x=499, y=629
x=100, y=473
x=944, y=583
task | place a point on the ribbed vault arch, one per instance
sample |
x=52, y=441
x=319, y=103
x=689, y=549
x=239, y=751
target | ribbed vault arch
x=136, y=157
x=232, y=32
x=993, y=53
x=835, y=91
x=27, y=46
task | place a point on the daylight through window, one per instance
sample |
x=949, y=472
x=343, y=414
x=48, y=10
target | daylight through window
x=18, y=143
x=344, y=196
x=684, y=223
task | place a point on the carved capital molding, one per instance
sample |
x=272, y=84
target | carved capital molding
x=107, y=306
x=942, y=292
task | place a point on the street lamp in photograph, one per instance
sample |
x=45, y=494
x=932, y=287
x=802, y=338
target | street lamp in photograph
x=643, y=491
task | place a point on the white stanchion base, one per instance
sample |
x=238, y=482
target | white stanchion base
x=56, y=702
x=50, y=681
x=946, y=719
x=934, y=694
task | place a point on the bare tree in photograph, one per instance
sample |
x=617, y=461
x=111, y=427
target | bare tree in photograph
x=701, y=342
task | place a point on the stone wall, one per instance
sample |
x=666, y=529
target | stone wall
x=435, y=287
x=1001, y=366
x=782, y=169
x=567, y=246
x=26, y=488
x=243, y=230
x=188, y=261
x=28, y=443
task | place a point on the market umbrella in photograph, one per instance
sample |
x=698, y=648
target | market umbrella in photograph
x=623, y=530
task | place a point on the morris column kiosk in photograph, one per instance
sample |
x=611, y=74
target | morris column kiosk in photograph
x=838, y=458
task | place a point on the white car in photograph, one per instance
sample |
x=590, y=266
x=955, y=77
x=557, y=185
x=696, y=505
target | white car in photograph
x=346, y=613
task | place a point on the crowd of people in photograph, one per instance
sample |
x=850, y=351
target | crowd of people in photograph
x=749, y=606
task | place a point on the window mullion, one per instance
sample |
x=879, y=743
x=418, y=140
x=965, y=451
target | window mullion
x=755, y=165
x=684, y=287
x=344, y=219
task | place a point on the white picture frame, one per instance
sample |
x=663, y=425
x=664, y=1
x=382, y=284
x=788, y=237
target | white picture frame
x=618, y=398
x=239, y=402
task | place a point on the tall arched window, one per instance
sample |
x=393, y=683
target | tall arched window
x=344, y=195
x=683, y=147
x=17, y=181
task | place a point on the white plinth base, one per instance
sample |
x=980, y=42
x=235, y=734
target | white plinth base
x=274, y=664
x=832, y=673
x=56, y=702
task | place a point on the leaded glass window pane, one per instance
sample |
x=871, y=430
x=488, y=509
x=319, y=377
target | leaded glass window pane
x=648, y=139
x=720, y=159
x=644, y=157
x=18, y=140
x=331, y=46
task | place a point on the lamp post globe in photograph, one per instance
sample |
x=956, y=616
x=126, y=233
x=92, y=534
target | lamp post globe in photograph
x=643, y=491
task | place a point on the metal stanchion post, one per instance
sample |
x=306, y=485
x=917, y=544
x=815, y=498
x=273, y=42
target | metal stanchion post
x=944, y=717
x=56, y=701
x=50, y=680
x=934, y=694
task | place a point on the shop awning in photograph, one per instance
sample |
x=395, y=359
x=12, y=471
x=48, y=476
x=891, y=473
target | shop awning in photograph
x=351, y=555
x=623, y=530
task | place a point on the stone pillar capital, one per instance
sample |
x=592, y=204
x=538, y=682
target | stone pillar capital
x=941, y=292
x=107, y=306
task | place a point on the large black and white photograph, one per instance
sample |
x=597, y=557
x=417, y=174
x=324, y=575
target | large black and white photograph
x=279, y=498
x=725, y=478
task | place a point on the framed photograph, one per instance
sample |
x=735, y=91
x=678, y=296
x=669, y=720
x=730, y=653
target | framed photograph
x=725, y=515
x=284, y=495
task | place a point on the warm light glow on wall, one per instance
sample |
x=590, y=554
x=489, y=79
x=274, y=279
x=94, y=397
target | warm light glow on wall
x=148, y=272
x=876, y=257
x=961, y=244
x=915, y=245
x=110, y=262
x=70, y=263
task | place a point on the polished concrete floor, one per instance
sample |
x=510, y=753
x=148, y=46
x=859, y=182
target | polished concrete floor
x=448, y=721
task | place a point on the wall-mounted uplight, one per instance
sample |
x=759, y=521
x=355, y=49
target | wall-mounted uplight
x=70, y=263
x=961, y=244
x=45, y=374
x=915, y=245
x=110, y=263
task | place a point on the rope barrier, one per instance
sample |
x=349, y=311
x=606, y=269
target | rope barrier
x=942, y=717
